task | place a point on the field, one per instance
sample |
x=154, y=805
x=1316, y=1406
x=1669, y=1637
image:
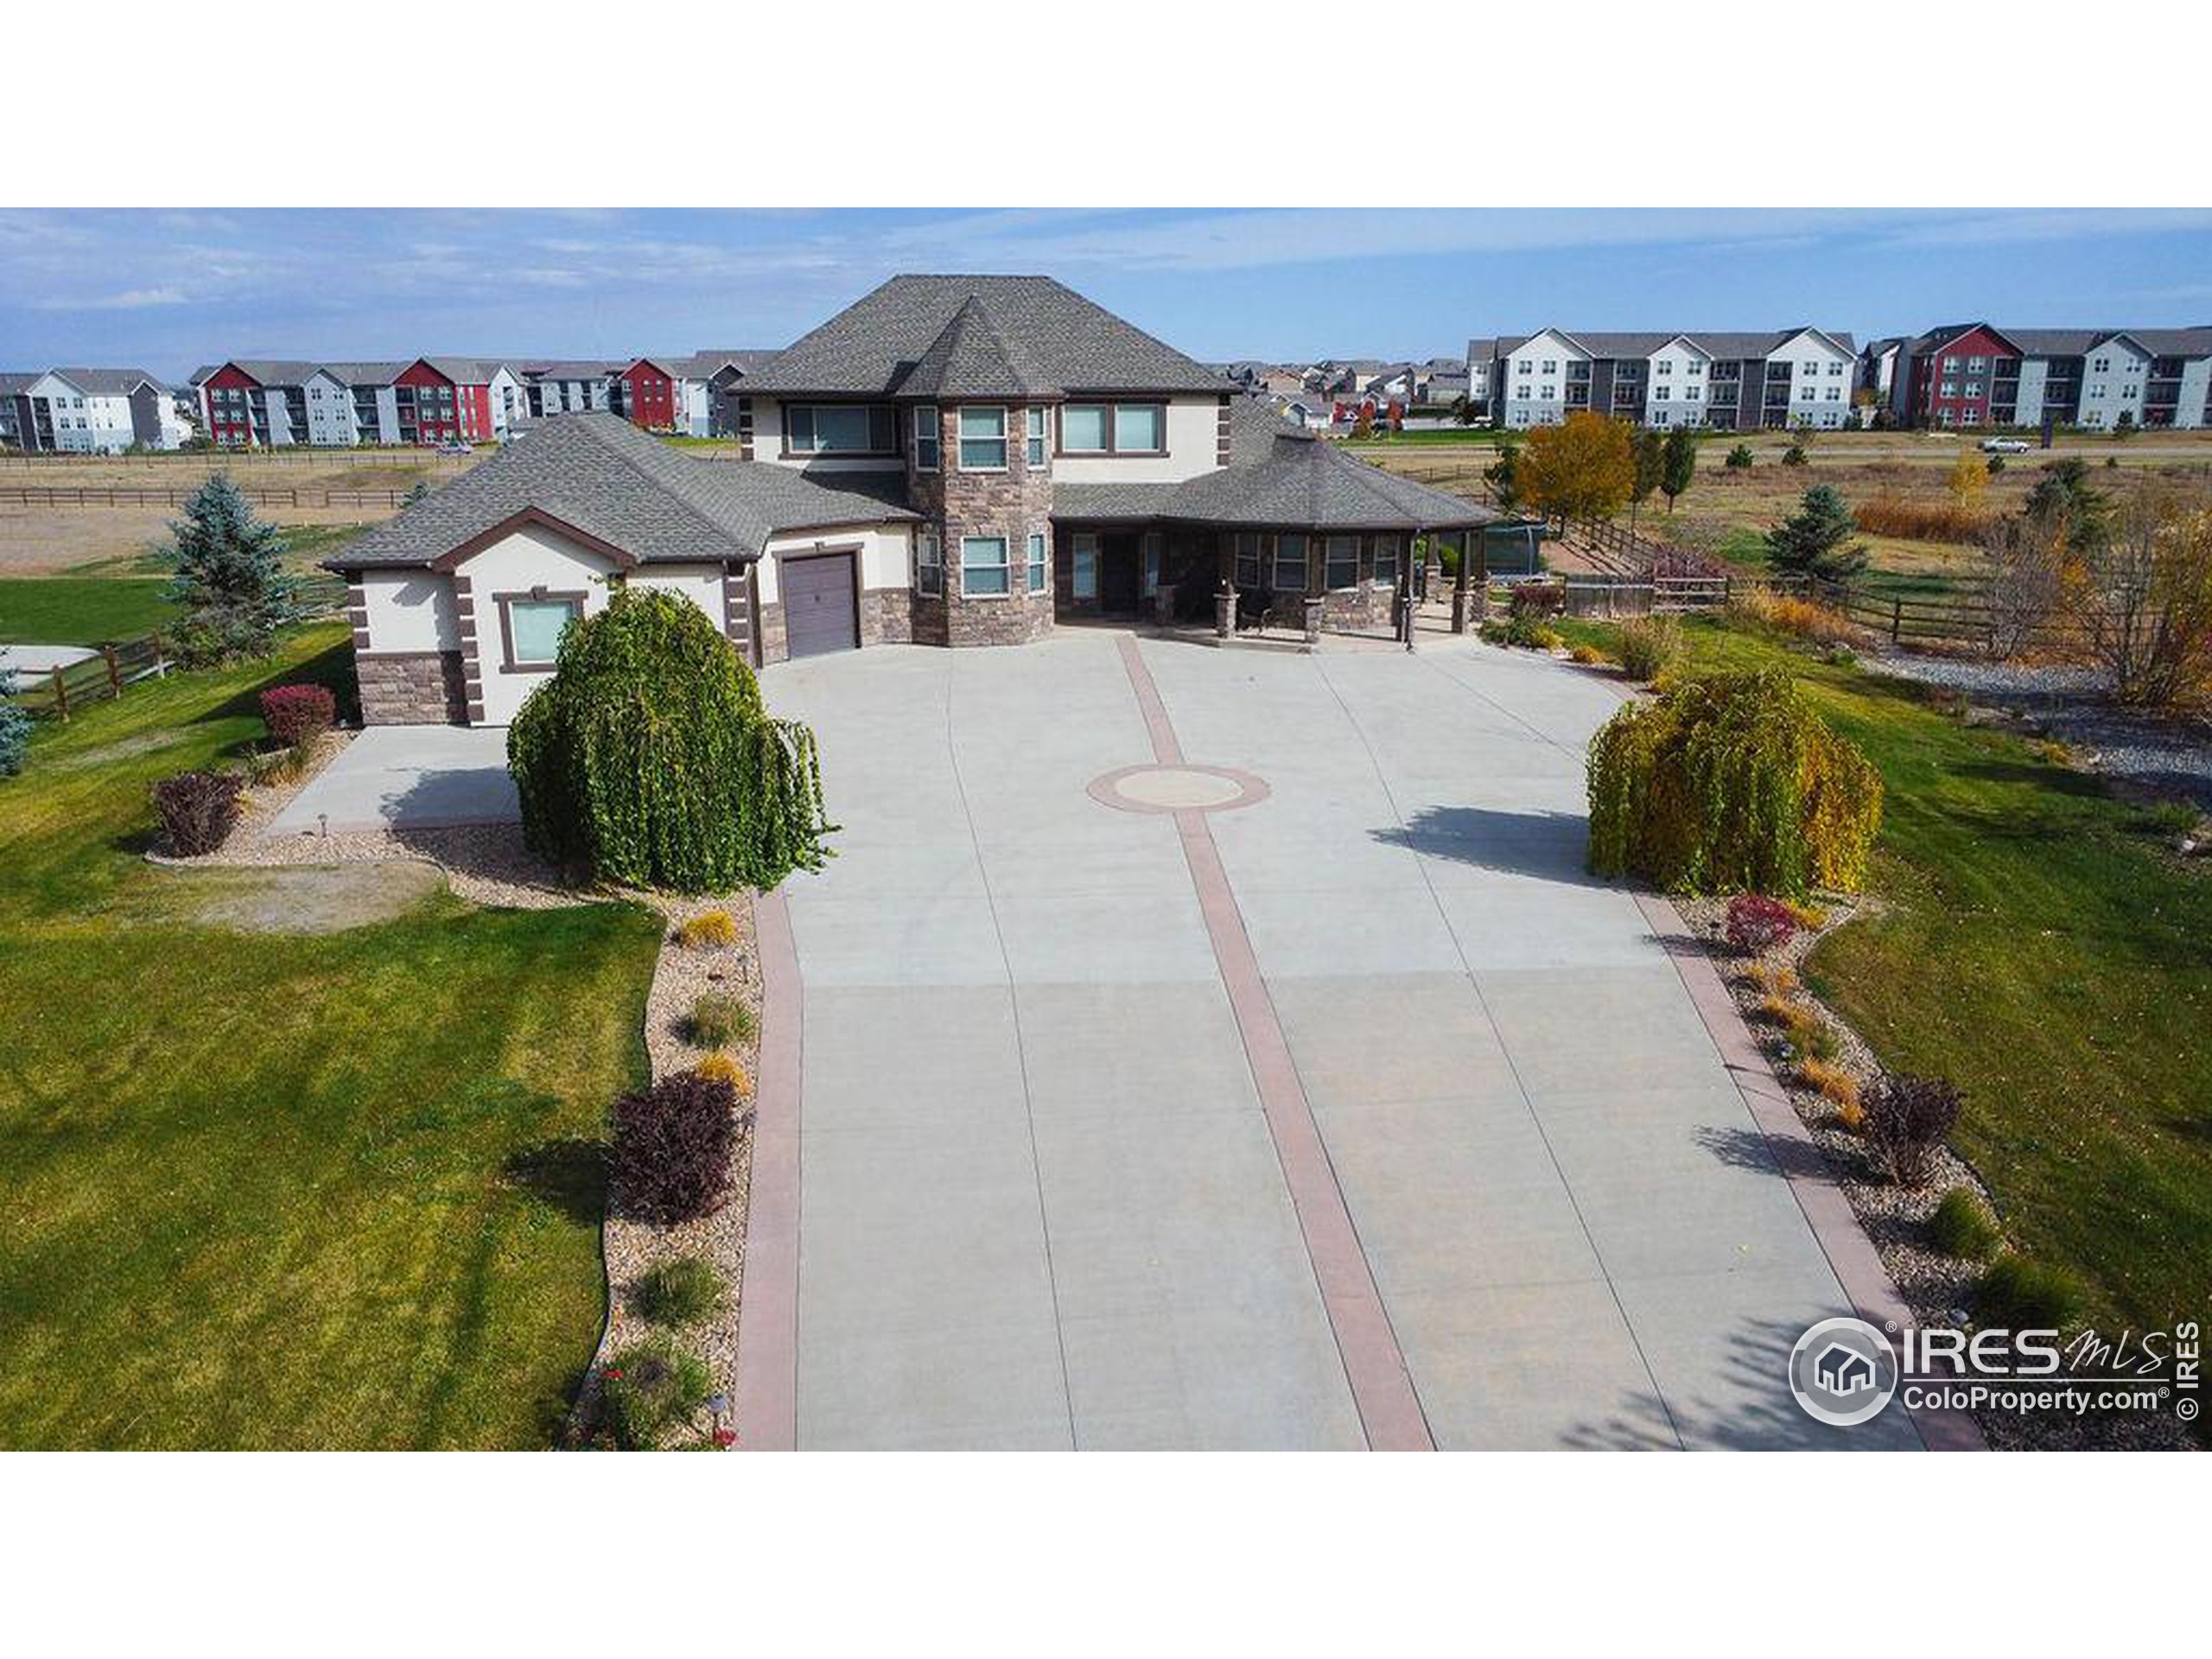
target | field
x=2040, y=946
x=82, y=610
x=40, y=540
x=1724, y=512
x=270, y=1189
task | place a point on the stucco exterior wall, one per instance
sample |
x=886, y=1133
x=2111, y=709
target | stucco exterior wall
x=1193, y=448
x=411, y=610
x=531, y=557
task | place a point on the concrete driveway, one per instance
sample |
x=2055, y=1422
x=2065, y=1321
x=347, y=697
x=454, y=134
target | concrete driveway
x=403, y=778
x=1353, y=1115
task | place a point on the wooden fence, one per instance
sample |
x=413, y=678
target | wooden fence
x=130, y=495
x=59, y=692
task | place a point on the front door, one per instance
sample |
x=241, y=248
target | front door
x=1118, y=574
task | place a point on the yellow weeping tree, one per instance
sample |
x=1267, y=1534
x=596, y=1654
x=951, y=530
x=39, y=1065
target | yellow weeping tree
x=648, y=759
x=1732, y=783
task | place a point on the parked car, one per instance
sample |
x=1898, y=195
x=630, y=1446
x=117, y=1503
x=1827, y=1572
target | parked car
x=2006, y=446
x=457, y=448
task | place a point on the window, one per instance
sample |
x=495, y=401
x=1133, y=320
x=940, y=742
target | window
x=1340, y=566
x=2101, y=364
x=1689, y=394
x=1663, y=367
x=1083, y=562
x=1140, y=429
x=1835, y=368
x=1247, y=560
x=1547, y=393
x=982, y=439
x=983, y=562
x=1083, y=430
x=1388, y=553
x=1693, y=368
x=840, y=430
x=928, y=564
x=1039, y=417
x=1037, y=561
x=532, y=623
x=1551, y=365
x=1525, y=367
x=1290, y=565
x=1659, y=393
x=928, y=437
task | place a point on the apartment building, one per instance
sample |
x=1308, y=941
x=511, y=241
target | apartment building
x=88, y=412
x=1798, y=377
x=1973, y=374
x=272, y=402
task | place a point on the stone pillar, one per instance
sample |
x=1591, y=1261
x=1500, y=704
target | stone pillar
x=1313, y=621
x=1225, y=611
x=1163, y=605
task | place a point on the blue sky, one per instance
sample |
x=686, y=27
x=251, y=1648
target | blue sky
x=167, y=289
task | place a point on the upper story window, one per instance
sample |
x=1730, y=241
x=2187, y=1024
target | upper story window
x=982, y=438
x=1039, y=419
x=2101, y=364
x=1524, y=367
x=928, y=563
x=840, y=430
x=1114, y=429
x=1664, y=367
x=928, y=438
x=1551, y=365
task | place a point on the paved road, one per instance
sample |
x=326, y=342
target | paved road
x=1042, y=1201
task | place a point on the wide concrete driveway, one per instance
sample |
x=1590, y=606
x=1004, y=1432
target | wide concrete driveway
x=1054, y=1188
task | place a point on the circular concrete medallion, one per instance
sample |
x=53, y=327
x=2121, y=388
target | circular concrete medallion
x=1178, y=789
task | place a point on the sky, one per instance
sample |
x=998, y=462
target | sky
x=167, y=289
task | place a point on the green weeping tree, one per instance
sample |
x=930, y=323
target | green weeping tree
x=648, y=760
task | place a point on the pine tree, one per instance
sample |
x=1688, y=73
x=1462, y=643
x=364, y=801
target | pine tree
x=1679, y=466
x=1504, y=476
x=230, y=576
x=1816, y=541
x=15, y=726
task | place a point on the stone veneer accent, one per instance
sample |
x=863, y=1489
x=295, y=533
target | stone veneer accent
x=775, y=639
x=472, y=664
x=887, y=616
x=1011, y=503
x=411, y=688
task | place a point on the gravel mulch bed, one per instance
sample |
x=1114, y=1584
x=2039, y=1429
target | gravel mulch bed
x=633, y=1247
x=2068, y=702
x=1938, y=1288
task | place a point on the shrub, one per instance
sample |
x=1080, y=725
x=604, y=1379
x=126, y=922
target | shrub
x=1649, y=643
x=15, y=726
x=296, y=714
x=647, y=758
x=1809, y=1037
x=1832, y=1084
x=1523, y=632
x=1757, y=923
x=672, y=1147
x=1963, y=1226
x=709, y=929
x=1811, y=918
x=1730, y=781
x=1588, y=656
x=1539, y=598
x=1907, y=1119
x=2018, y=1295
x=718, y=1067
x=1774, y=979
x=1851, y=1116
x=1739, y=457
x=198, y=810
x=1794, y=456
x=649, y=1388
x=687, y=1291
x=1996, y=464
x=718, y=1020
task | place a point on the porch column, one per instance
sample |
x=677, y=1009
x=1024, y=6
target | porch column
x=1468, y=542
x=1225, y=593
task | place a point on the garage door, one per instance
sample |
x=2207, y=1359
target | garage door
x=819, y=604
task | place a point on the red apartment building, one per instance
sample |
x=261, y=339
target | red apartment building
x=1956, y=377
x=649, y=392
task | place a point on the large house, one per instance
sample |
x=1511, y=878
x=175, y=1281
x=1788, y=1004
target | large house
x=1976, y=374
x=1783, y=377
x=950, y=461
x=88, y=412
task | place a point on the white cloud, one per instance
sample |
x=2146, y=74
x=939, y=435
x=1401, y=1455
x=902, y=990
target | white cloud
x=131, y=299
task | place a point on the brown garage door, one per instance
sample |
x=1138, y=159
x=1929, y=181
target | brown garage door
x=819, y=604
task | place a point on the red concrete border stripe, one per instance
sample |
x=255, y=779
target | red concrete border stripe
x=767, y=1320
x=1375, y=1367
x=1858, y=1264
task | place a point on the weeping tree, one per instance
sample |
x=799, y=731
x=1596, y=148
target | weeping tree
x=647, y=759
x=1732, y=782
x=230, y=577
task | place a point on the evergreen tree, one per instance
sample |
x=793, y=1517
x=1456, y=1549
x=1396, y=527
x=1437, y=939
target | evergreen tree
x=1815, y=541
x=419, y=492
x=1504, y=476
x=230, y=576
x=1650, y=459
x=2064, y=495
x=15, y=726
x=1679, y=465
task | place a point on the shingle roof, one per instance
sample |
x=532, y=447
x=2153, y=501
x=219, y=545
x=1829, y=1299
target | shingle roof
x=10, y=383
x=601, y=474
x=1720, y=344
x=274, y=371
x=972, y=359
x=364, y=374
x=871, y=346
x=468, y=371
x=110, y=383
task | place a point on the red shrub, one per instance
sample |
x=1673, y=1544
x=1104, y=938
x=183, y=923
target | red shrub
x=1539, y=598
x=298, y=714
x=672, y=1146
x=1757, y=923
x=197, y=809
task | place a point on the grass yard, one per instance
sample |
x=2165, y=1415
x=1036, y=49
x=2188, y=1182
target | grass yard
x=297, y=1190
x=2043, y=949
x=81, y=610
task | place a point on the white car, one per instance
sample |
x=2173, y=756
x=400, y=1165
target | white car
x=2006, y=446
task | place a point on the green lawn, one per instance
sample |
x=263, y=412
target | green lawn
x=2042, y=948
x=81, y=610
x=265, y=1190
